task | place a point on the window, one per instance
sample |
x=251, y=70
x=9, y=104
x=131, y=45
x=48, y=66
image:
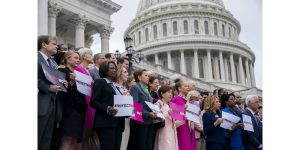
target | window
x=229, y=32
x=223, y=30
x=133, y=39
x=215, y=29
x=146, y=35
x=185, y=26
x=155, y=32
x=165, y=31
x=206, y=27
x=140, y=39
x=196, y=26
x=188, y=64
x=201, y=68
x=175, y=28
x=213, y=69
x=229, y=71
x=177, y=65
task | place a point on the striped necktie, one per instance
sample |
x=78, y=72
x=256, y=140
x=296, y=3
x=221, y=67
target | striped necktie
x=50, y=63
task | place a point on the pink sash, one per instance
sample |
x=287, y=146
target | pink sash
x=90, y=113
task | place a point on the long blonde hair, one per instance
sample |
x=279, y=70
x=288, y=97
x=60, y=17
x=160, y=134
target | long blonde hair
x=209, y=104
x=119, y=73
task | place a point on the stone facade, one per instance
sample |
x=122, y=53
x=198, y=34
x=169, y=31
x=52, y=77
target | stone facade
x=198, y=39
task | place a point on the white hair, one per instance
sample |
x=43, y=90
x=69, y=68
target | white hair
x=83, y=51
x=249, y=98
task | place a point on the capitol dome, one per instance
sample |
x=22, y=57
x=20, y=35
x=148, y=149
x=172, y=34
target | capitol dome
x=196, y=38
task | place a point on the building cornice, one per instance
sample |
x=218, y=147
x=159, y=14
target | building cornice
x=198, y=42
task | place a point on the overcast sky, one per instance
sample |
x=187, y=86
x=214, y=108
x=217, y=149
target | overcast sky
x=247, y=12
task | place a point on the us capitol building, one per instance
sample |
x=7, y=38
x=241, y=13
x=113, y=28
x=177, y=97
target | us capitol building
x=198, y=39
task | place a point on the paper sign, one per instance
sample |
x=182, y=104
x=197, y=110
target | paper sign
x=229, y=120
x=54, y=76
x=247, y=123
x=124, y=105
x=192, y=113
x=137, y=112
x=83, y=83
x=156, y=109
x=178, y=111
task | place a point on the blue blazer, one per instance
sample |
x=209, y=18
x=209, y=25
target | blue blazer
x=236, y=136
x=253, y=139
x=213, y=134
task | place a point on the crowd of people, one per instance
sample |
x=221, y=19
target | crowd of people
x=71, y=120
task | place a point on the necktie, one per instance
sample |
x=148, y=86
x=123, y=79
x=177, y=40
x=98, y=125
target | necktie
x=50, y=63
x=53, y=95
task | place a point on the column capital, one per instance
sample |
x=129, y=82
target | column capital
x=105, y=31
x=80, y=20
x=53, y=8
x=89, y=40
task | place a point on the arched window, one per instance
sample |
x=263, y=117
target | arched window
x=223, y=30
x=196, y=26
x=229, y=30
x=206, y=27
x=201, y=68
x=188, y=64
x=140, y=39
x=133, y=39
x=185, y=26
x=146, y=34
x=155, y=32
x=175, y=28
x=165, y=30
x=215, y=29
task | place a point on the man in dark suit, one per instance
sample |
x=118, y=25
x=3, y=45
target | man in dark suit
x=253, y=140
x=98, y=60
x=46, y=92
x=237, y=108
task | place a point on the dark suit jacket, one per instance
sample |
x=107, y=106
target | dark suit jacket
x=140, y=96
x=238, y=111
x=253, y=139
x=214, y=134
x=102, y=97
x=94, y=72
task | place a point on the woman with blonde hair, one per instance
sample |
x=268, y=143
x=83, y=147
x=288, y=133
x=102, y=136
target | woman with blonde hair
x=215, y=135
x=74, y=106
x=121, y=78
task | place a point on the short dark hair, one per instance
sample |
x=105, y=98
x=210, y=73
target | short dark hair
x=224, y=98
x=178, y=83
x=152, y=78
x=122, y=60
x=104, y=68
x=138, y=73
x=204, y=93
x=107, y=55
x=44, y=39
x=163, y=90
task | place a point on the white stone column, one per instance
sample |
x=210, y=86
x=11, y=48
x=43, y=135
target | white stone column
x=253, y=83
x=54, y=9
x=209, y=70
x=182, y=62
x=80, y=21
x=242, y=74
x=196, y=64
x=248, y=72
x=216, y=67
x=156, y=58
x=169, y=60
x=232, y=68
x=42, y=17
x=105, y=32
x=222, y=66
